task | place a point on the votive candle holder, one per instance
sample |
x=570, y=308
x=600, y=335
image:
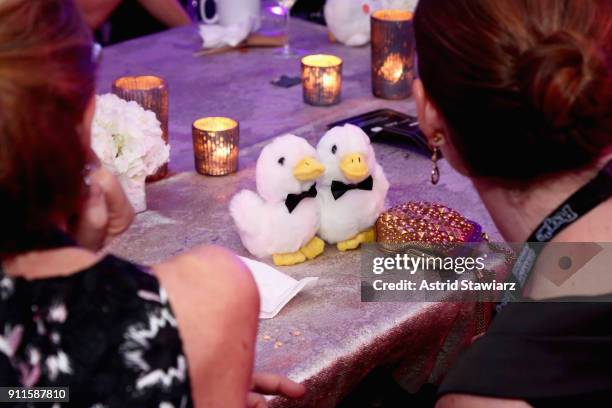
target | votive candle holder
x=150, y=92
x=321, y=79
x=393, y=48
x=215, y=145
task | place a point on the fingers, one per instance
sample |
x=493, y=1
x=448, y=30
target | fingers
x=107, y=211
x=120, y=211
x=91, y=230
x=255, y=400
x=272, y=384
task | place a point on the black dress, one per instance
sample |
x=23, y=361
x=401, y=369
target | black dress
x=106, y=332
x=554, y=353
x=550, y=354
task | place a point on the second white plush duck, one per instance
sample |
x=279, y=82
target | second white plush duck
x=281, y=219
x=351, y=194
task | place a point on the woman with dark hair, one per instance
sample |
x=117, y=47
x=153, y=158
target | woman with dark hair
x=517, y=95
x=117, y=334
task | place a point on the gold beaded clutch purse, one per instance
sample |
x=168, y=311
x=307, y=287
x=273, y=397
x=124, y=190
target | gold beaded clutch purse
x=424, y=227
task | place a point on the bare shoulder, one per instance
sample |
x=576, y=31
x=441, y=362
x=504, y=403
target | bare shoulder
x=211, y=269
x=216, y=302
x=205, y=260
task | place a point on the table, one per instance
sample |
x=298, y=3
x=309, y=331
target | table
x=325, y=337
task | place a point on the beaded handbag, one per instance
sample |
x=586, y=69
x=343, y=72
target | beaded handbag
x=431, y=229
x=425, y=227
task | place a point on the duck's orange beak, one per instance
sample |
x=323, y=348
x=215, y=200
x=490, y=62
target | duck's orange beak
x=354, y=167
x=308, y=169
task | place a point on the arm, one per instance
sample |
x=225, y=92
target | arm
x=95, y=12
x=168, y=12
x=216, y=304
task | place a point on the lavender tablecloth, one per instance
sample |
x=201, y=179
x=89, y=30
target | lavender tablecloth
x=325, y=337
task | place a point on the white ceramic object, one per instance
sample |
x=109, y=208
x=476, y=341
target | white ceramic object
x=232, y=12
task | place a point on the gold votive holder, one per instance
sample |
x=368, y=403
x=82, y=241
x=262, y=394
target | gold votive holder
x=392, y=54
x=151, y=93
x=321, y=79
x=215, y=145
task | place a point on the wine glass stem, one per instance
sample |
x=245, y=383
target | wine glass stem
x=287, y=47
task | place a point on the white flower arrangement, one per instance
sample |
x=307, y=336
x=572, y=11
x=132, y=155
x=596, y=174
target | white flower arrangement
x=128, y=141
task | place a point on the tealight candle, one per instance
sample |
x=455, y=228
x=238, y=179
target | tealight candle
x=215, y=145
x=392, y=54
x=321, y=79
x=151, y=93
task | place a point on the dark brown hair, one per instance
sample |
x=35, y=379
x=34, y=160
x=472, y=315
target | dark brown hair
x=47, y=77
x=524, y=85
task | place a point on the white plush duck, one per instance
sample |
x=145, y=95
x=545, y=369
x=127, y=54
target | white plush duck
x=281, y=219
x=349, y=20
x=351, y=194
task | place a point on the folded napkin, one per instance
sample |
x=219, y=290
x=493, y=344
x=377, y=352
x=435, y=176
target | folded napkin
x=215, y=35
x=275, y=288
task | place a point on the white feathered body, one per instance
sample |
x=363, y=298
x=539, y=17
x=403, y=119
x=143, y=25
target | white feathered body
x=349, y=20
x=268, y=228
x=354, y=212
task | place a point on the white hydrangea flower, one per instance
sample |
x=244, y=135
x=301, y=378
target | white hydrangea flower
x=127, y=138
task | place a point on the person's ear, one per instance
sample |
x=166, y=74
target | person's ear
x=430, y=120
x=434, y=127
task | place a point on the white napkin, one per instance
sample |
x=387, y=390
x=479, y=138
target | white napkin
x=275, y=288
x=215, y=35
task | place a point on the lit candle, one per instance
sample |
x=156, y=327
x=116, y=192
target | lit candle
x=215, y=145
x=321, y=79
x=392, y=54
x=151, y=93
x=221, y=153
x=392, y=69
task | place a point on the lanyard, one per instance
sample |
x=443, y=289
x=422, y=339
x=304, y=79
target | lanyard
x=595, y=192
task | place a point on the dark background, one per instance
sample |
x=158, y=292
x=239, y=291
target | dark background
x=130, y=20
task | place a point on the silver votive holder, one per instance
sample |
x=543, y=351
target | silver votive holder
x=321, y=79
x=392, y=54
x=215, y=145
x=151, y=93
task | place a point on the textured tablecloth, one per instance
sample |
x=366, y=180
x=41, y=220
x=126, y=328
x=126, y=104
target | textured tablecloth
x=325, y=337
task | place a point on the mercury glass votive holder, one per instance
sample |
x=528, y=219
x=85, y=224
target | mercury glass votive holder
x=215, y=145
x=321, y=79
x=392, y=54
x=151, y=93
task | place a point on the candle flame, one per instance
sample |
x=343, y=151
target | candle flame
x=328, y=80
x=221, y=152
x=393, y=68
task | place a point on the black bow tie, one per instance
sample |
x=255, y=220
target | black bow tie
x=338, y=188
x=293, y=200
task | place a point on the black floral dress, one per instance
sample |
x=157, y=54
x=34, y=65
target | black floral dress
x=106, y=332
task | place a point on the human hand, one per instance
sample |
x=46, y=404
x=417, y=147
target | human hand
x=107, y=211
x=272, y=384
